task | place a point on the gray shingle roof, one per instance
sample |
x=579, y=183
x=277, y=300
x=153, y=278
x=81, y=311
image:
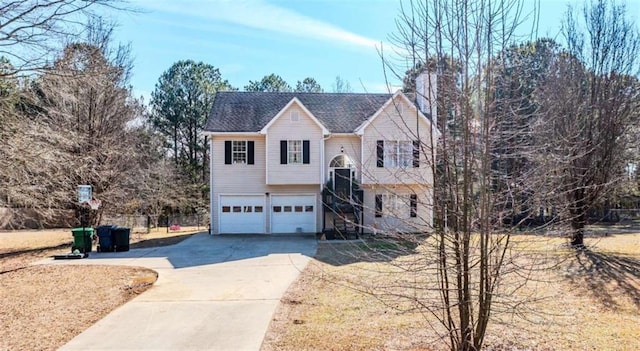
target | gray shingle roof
x=251, y=111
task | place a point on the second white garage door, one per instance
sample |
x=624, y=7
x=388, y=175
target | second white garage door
x=242, y=214
x=293, y=213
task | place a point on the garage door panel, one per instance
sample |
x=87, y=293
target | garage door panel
x=293, y=213
x=242, y=214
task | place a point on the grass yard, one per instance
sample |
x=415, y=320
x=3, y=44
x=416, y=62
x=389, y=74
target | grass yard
x=568, y=300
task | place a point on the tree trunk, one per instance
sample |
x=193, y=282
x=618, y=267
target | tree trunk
x=175, y=143
x=578, y=223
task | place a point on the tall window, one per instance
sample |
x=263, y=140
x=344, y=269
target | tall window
x=239, y=151
x=390, y=154
x=398, y=154
x=405, y=154
x=396, y=205
x=294, y=151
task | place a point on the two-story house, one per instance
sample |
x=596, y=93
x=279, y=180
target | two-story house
x=313, y=162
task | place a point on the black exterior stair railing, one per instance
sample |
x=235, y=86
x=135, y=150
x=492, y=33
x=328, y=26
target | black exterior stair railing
x=346, y=214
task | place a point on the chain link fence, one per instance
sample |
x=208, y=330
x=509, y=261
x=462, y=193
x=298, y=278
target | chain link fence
x=141, y=223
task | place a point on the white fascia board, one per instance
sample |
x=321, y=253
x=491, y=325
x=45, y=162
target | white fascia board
x=421, y=115
x=365, y=124
x=232, y=133
x=295, y=100
x=344, y=134
x=368, y=121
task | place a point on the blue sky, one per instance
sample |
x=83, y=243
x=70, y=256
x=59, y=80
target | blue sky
x=248, y=39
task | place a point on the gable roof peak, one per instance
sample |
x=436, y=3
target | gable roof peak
x=295, y=101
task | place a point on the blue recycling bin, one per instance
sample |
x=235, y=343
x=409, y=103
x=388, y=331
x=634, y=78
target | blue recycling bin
x=105, y=238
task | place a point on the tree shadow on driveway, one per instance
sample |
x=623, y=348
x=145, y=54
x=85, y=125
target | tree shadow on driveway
x=203, y=249
x=607, y=276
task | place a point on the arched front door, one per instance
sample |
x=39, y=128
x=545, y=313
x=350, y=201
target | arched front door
x=342, y=171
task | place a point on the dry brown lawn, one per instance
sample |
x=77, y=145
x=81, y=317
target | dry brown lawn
x=43, y=307
x=587, y=300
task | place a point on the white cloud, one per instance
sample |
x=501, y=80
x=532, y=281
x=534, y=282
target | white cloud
x=258, y=14
x=378, y=87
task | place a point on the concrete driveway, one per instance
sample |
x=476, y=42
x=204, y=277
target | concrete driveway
x=212, y=293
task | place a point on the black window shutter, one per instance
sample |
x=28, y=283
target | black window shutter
x=227, y=152
x=416, y=153
x=380, y=153
x=305, y=152
x=250, y=153
x=414, y=205
x=378, y=205
x=283, y=152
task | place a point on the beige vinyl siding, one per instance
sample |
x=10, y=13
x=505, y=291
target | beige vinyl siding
x=286, y=129
x=238, y=178
x=350, y=144
x=397, y=124
x=243, y=179
x=402, y=221
x=235, y=178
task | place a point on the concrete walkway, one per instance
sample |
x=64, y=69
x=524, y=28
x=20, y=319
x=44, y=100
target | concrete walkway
x=212, y=293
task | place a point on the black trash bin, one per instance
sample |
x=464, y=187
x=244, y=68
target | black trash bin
x=121, y=238
x=105, y=238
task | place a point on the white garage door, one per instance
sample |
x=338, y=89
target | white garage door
x=242, y=214
x=293, y=214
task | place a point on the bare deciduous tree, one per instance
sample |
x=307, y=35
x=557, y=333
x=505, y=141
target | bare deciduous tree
x=591, y=103
x=31, y=30
x=73, y=125
x=452, y=270
x=456, y=277
x=161, y=188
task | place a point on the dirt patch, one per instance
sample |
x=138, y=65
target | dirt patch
x=45, y=306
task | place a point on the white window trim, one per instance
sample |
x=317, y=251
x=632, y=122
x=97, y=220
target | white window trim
x=395, y=162
x=396, y=205
x=290, y=152
x=234, y=152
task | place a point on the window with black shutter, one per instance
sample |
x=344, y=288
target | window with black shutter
x=227, y=152
x=239, y=152
x=305, y=152
x=283, y=152
x=413, y=201
x=380, y=153
x=295, y=152
x=378, y=205
x=416, y=153
x=250, y=152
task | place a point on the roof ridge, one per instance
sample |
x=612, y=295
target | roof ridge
x=303, y=93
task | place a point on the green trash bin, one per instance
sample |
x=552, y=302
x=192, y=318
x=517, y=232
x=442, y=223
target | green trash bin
x=82, y=238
